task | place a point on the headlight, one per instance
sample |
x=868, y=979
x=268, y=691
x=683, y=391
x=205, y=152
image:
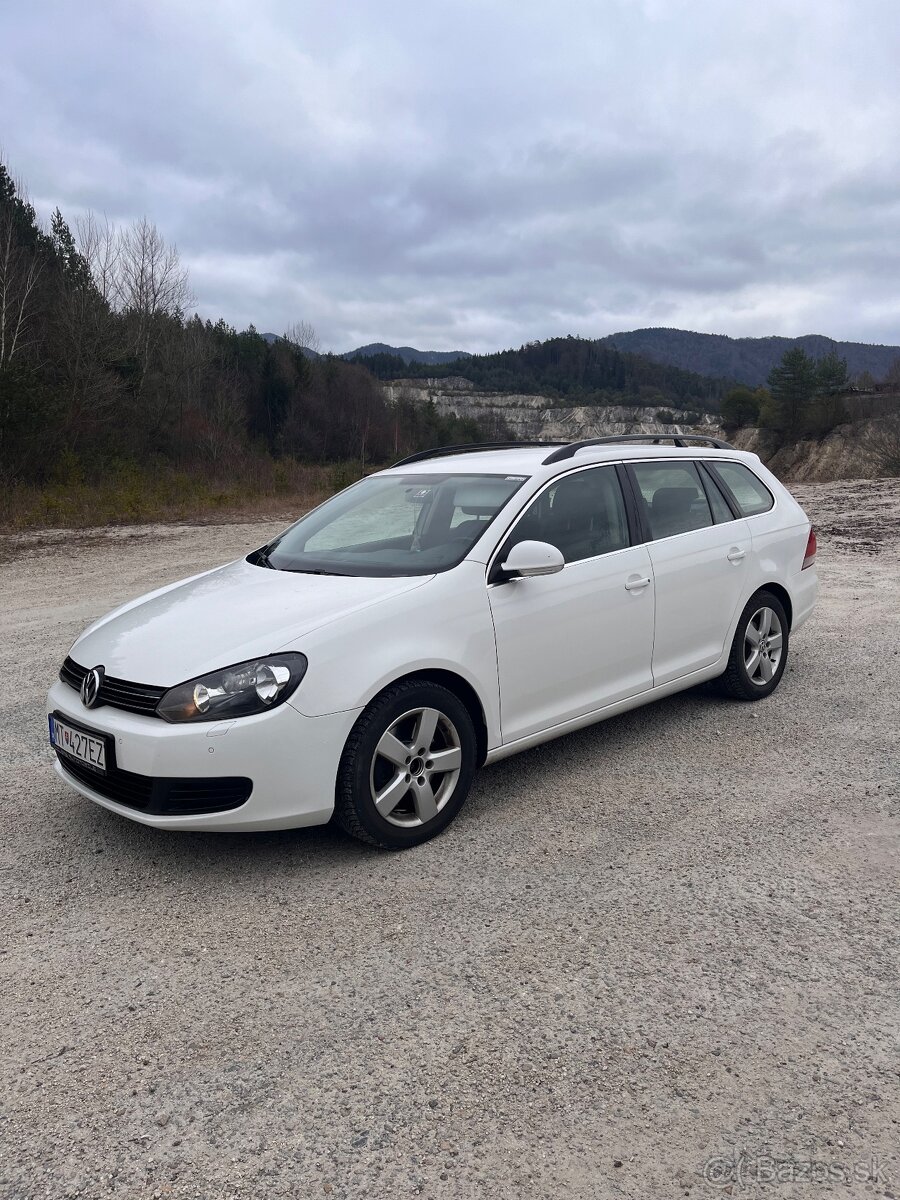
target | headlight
x=249, y=687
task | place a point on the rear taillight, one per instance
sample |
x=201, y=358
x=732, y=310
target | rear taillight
x=810, y=556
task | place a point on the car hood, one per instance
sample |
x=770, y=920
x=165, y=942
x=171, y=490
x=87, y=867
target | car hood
x=223, y=617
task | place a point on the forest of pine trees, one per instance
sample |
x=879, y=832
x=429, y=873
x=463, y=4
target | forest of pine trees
x=570, y=370
x=100, y=363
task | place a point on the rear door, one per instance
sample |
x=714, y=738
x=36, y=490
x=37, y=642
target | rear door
x=571, y=643
x=700, y=556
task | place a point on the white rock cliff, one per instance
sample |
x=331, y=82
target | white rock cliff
x=535, y=418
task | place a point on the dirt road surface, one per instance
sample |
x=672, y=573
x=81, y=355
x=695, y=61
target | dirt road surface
x=655, y=958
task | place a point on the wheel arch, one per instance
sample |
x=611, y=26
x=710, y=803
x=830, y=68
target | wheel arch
x=464, y=692
x=779, y=590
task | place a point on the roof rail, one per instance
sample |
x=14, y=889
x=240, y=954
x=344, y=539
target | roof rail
x=440, y=451
x=680, y=439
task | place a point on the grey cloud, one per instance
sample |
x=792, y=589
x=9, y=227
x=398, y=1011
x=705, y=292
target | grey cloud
x=478, y=175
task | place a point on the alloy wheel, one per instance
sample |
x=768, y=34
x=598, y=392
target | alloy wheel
x=415, y=767
x=763, y=643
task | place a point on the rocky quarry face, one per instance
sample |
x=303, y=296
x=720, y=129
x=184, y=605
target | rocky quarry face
x=857, y=450
x=851, y=451
x=531, y=418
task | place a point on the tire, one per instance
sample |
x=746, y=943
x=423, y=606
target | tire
x=378, y=798
x=750, y=675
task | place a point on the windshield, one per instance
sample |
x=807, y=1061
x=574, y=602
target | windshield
x=392, y=525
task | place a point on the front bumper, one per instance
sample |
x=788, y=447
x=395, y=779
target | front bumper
x=291, y=759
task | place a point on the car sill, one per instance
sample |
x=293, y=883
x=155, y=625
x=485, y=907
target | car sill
x=601, y=714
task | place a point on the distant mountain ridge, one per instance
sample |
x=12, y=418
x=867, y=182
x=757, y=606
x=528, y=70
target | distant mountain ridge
x=716, y=356
x=409, y=354
x=748, y=360
x=569, y=370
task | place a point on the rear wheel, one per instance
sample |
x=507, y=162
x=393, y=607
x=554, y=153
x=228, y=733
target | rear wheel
x=407, y=767
x=759, y=650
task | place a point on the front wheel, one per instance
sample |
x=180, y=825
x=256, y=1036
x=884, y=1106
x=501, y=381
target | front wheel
x=759, y=650
x=407, y=766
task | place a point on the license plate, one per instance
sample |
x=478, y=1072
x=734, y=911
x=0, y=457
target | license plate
x=87, y=749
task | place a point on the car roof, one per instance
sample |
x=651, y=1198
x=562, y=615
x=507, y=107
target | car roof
x=529, y=460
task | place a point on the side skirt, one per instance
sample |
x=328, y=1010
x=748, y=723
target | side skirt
x=611, y=710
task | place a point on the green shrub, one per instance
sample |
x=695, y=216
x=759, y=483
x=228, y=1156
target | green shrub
x=342, y=474
x=741, y=407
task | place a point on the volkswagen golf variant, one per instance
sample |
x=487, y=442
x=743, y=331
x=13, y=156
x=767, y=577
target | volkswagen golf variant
x=459, y=607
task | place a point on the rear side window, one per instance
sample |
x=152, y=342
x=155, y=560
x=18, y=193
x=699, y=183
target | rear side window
x=751, y=494
x=674, y=499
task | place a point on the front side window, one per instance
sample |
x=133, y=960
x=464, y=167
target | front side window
x=751, y=494
x=412, y=524
x=583, y=515
x=673, y=496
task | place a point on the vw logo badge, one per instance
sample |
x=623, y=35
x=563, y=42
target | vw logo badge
x=90, y=687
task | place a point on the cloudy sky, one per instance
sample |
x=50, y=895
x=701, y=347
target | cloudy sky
x=480, y=173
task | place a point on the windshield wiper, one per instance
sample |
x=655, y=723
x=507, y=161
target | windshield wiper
x=316, y=571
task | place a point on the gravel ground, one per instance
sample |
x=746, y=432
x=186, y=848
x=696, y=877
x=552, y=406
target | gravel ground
x=665, y=942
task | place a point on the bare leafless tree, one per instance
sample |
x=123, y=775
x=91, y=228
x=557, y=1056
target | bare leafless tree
x=303, y=335
x=98, y=242
x=152, y=281
x=152, y=290
x=20, y=271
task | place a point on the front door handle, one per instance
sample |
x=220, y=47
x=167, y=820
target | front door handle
x=636, y=582
x=736, y=554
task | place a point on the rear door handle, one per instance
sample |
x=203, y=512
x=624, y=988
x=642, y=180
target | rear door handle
x=736, y=554
x=636, y=582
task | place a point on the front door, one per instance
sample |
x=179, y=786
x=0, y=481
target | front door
x=571, y=643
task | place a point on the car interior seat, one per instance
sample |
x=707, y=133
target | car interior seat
x=569, y=525
x=671, y=511
x=478, y=502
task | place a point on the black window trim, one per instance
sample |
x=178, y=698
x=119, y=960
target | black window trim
x=730, y=496
x=496, y=575
x=638, y=526
x=711, y=482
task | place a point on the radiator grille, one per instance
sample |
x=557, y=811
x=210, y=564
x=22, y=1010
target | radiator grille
x=117, y=693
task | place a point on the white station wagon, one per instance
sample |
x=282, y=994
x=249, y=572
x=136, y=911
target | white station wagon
x=465, y=604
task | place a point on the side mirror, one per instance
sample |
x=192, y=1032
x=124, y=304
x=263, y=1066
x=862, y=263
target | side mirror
x=533, y=558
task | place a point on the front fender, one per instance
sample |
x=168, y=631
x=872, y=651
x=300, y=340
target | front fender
x=444, y=625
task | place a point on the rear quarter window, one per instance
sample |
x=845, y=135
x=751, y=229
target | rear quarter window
x=751, y=494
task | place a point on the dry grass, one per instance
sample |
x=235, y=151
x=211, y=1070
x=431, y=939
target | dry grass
x=129, y=494
x=884, y=445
